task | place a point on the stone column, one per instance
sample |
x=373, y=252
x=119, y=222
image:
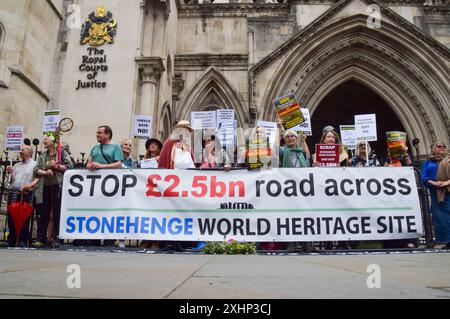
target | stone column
x=140, y=45
x=150, y=70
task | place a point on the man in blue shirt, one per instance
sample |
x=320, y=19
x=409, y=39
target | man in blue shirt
x=105, y=154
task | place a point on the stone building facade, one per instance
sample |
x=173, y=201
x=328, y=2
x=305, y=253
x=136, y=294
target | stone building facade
x=173, y=57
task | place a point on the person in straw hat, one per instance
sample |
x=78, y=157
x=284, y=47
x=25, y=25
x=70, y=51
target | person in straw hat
x=176, y=151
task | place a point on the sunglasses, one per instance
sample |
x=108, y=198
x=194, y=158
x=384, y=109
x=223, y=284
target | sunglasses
x=440, y=146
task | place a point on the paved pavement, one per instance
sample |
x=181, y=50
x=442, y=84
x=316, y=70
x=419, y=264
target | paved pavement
x=43, y=274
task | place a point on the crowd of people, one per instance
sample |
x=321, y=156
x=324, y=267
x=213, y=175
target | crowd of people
x=39, y=182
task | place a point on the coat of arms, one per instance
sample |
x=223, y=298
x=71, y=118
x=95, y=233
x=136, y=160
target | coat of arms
x=99, y=28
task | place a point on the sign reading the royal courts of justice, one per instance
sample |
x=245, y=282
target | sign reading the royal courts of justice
x=100, y=27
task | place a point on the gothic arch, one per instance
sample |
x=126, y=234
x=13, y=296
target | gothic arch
x=212, y=91
x=407, y=73
x=165, y=124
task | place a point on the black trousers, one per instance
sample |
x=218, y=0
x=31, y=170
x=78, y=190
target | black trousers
x=13, y=197
x=51, y=201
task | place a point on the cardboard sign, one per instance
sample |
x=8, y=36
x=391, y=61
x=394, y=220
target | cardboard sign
x=288, y=110
x=304, y=127
x=203, y=120
x=349, y=136
x=51, y=120
x=396, y=141
x=14, y=137
x=327, y=155
x=366, y=127
x=142, y=126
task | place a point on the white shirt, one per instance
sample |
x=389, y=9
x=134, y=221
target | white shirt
x=22, y=174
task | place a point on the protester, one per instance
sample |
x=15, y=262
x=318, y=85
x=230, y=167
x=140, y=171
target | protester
x=22, y=182
x=177, y=151
x=126, y=147
x=390, y=162
x=404, y=161
x=209, y=153
x=292, y=154
x=360, y=158
x=105, y=154
x=436, y=177
x=330, y=136
x=66, y=147
x=177, y=154
x=153, y=149
x=48, y=193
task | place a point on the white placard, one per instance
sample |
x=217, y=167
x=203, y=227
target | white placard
x=304, y=127
x=224, y=115
x=14, y=137
x=366, y=127
x=149, y=163
x=203, y=120
x=348, y=135
x=51, y=120
x=226, y=133
x=142, y=128
x=271, y=129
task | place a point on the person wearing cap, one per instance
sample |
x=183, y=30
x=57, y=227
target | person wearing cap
x=153, y=148
x=176, y=151
x=292, y=154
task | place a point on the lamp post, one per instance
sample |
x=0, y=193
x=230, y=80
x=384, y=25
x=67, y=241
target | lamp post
x=415, y=143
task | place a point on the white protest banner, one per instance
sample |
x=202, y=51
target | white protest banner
x=51, y=120
x=348, y=136
x=203, y=120
x=14, y=137
x=142, y=128
x=149, y=163
x=304, y=127
x=224, y=115
x=309, y=204
x=366, y=127
x=271, y=129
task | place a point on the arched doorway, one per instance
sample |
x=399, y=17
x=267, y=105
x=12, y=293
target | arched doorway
x=394, y=63
x=347, y=100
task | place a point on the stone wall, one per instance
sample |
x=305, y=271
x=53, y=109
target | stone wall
x=26, y=59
